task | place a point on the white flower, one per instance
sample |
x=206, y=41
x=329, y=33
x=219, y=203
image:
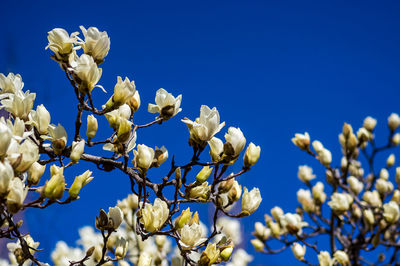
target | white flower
x=19, y=104
x=160, y=156
x=251, y=155
x=305, y=199
x=88, y=72
x=123, y=92
x=391, y=212
x=144, y=156
x=30, y=154
x=292, y=223
x=235, y=142
x=145, y=259
x=16, y=196
x=230, y=228
x=369, y=123
x=79, y=182
x=298, y=251
x=318, y=193
x=301, y=140
x=325, y=157
x=154, y=216
x=77, y=150
x=383, y=186
x=369, y=216
x=305, y=173
x=5, y=137
x=216, y=148
x=373, y=198
x=35, y=172
x=10, y=84
x=342, y=257
x=116, y=216
x=97, y=43
x=240, y=258
x=166, y=104
x=91, y=127
x=355, y=185
x=325, y=259
x=191, y=236
x=340, y=202
x=393, y=121
x=40, y=119
x=250, y=201
x=6, y=175
x=206, y=126
x=58, y=136
x=60, y=42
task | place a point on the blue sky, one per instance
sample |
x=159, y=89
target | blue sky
x=272, y=68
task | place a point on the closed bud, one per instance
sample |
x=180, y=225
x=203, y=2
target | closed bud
x=397, y=178
x=340, y=202
x=276, y=212
x=235, y=192
x=143, y=157
x=201, y=192
x=325, y=157
x=204, y=174
x=390, y=160
x=384, y=174
x=356, y=211
x=318, y=193
x=250, y=201
x=356, y=186
x=7, y=175
x=124, y=130
x=91, y=128
x=210, y=255
x=396, y=139
x=347, y=130
x=369, y=123
x=226, y=253
x=216, y=149
x=121, y=248
x=391, y=212
x=225, y=186
x=305, y=173
x=257, y=244
x=342, y=258
x=134, y=102
x=115, y=217
x=396, y=196
x=35, y=172
x=369, y=217
x=298, y=251
x=183, y=218
x=41, y=119
x=77, y=150
x=16, y=196
x=79, y=182
x=54, y=188
x=251, y=155
x=393, y=121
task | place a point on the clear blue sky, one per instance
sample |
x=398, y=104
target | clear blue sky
x=272, y=68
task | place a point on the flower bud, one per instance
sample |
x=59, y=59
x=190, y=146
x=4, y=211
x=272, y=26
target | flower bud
x=209, y=255
x=145, y=259
x=384, y=174
x=391, y=212
x=160, y=156
x=396, y=139
x=369, y=123
x=124, y=130
x=356, y=186
x=373, y=198
x=226, y=253
x=383, y=186
x=251, y=155
x=91, y=128
x=250, y=201
x=123, y=91
x=41, y=119
x=340, y=202
x=302, y=140
x=6, y=174
x=298, y=251
x=201, y=192
x=35, y=172
x=143, y=157
x=204, y=174
x=393, y=121
x=79, y=182
x=396, y=196
x=77, y=150
x=390, y=160
x=324, y=259
x=325, y=157
x=235, y=192
x=369, y=217
x=5, y=138
x=183, y=218
x=235, y=142
x=318, y=193
x=305, y=173
x=342, y=257
x=216, y=149
x=257, y=244
x=121, y=248
x=115, y=217
x=134, y=102
x=276, y=212
x=54, y=188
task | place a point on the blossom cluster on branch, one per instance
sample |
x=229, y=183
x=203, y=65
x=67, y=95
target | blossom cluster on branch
x=36, y=154
x=357, y=213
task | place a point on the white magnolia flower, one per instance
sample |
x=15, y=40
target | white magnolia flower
x=393, y=121
x=10, y=84
x=325, y=259
x=40, y=119
x=240, y=258
x=6, y=175
x=216, y=148
x=383, y=186
x=305, y=173
x=19, y=104
x=88, y=72
x=60, y=42
x=154, y=216
x=373, y=198
x=6, y=136
x=369, y=123
x=342, y=258
x=250, y=201
x=91, y=127
x=123, y=92
x=35, y=172
x=230, y=228
x=305, y=199
x=292, y=222
x=30, y=154
x=298, y=251
x=318, y=193
x=251, y=155
x=144, y=156
x=191, y=236
x=301, y=140
x=116, y=216
x=62, y=255
x=77, y=150
x=205, y=126
x=16, y=196
x=166, y=104
x=340, y=202
x=97, y=43
x=79, y=182
x=58, y=137
x=355, y=185
x=235, y=142
x=391, y=212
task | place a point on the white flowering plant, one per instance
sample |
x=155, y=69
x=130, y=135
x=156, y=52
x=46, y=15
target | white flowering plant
x=36, y=155
x=355, y=207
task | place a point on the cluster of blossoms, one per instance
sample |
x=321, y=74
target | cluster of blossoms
x=357, y=213
x=140, y=228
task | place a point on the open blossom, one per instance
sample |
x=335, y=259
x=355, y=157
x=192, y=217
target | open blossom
x=58, y=137
x=96, y=44
x=235, y=142
x=191, y=236
x=87, y=71
x=340, y=202
x=250, y=201
x=301, y=140
x=144, y=156
x=325, y=259
x=230, y=228
x=342, y=258
x=60, y=42
x=166, y=104
x=305, y=173
x=19, y=104
x=40, y=119
x=154, y=216
x=30, y=154
x=205, y=126
x=292, y=223
x=10, y=84
x=123, y=91
x=391, y=212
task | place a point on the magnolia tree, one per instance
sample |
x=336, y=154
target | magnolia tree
x=150, y=226
x=359, y=212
